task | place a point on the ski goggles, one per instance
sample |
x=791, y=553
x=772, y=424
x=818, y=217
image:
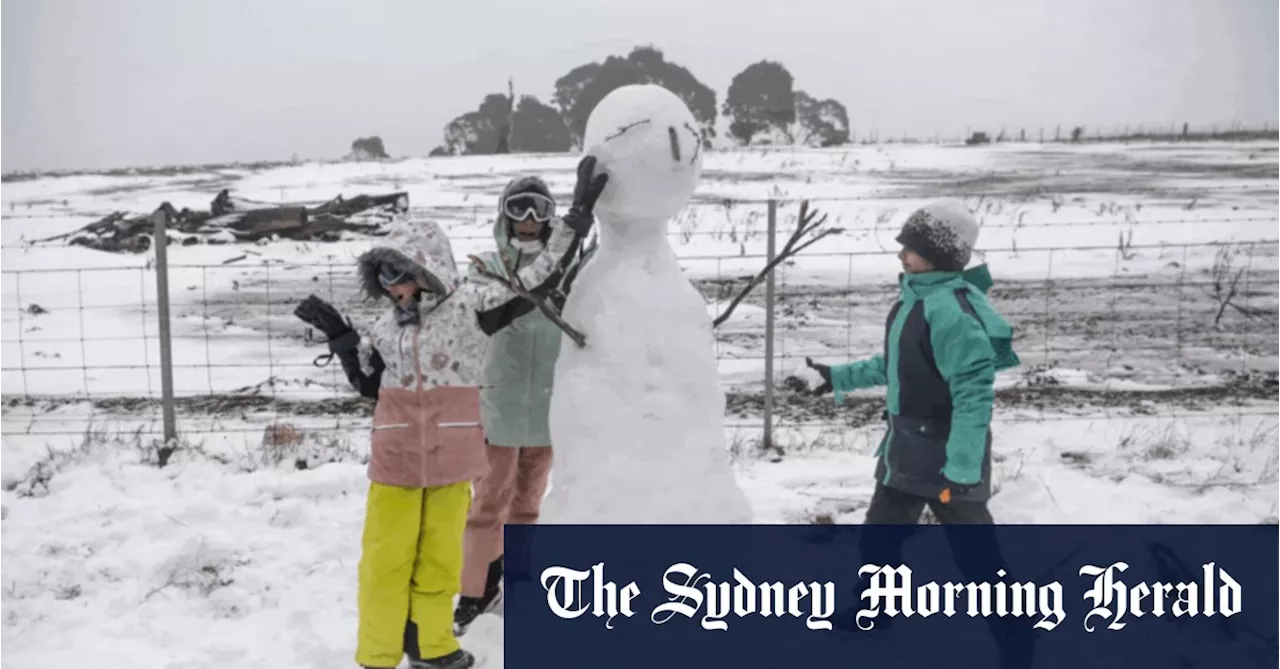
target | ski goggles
x=537, y=206
x=389, y=276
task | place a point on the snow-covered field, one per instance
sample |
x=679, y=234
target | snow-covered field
x=1145, y=394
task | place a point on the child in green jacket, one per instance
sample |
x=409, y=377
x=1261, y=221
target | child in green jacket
x=944, y=344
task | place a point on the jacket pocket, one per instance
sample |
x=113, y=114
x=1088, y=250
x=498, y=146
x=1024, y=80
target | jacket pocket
x=916, y=454
x=454, y=435
x=456, y=423
x=396, y=439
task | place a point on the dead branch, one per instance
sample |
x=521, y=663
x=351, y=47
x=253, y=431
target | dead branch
x=513, y=281
x=1226, y=285
x=1125, y=244
x=807, y=224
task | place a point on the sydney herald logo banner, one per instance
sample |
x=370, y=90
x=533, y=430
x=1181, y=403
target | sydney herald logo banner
x=876, y=596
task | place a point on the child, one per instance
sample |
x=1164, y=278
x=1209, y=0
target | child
x=944, y=344
x=515, y=400
x=425, y=360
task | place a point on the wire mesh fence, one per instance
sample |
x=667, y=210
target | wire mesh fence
x=1104, y=328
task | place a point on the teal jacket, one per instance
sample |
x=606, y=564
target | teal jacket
x=944, y=343
x=519, y=367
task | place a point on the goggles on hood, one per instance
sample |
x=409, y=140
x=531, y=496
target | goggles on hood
x=537, y=206
x=389, y=275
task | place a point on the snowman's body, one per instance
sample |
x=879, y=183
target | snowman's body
x=637, y=416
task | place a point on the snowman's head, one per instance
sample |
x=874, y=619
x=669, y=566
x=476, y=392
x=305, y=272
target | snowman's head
x=647, y=141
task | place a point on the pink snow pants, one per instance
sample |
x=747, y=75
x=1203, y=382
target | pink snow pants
x=510, y=493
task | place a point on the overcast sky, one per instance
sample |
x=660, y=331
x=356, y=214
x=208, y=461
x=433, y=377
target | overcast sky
x=101, y=83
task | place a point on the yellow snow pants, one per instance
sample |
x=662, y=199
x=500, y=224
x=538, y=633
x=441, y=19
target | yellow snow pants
x=410, y=570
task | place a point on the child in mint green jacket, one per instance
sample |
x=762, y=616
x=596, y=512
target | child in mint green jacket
x=943, y=345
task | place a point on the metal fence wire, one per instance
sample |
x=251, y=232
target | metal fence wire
x=215, y=348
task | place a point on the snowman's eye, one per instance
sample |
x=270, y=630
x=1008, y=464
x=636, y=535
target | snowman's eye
x=625, y=128
x=697, y=142
x=675, y=144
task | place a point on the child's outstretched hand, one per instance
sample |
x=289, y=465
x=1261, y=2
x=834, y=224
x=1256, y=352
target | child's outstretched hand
x=824, y=371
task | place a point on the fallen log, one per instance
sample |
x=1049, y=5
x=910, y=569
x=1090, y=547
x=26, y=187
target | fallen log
x=262, y=223
x=359, y=203
x=229, y=222
x=328, y=228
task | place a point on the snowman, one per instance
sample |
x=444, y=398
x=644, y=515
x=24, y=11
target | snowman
x=637, y=415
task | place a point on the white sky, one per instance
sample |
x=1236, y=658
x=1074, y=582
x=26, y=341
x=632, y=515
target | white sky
x=100, y=83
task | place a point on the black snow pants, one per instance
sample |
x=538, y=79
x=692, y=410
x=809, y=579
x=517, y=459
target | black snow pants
x=977, y=555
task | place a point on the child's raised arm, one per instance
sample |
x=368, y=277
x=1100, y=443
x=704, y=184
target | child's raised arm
x=354, y=352
x=491, y=298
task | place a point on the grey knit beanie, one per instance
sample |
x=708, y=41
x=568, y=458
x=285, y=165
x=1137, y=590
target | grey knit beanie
x=942, y=232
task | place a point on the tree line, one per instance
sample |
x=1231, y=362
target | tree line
x=762, y=105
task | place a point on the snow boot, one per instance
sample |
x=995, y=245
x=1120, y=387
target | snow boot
x=458, y=659
x=470, y=608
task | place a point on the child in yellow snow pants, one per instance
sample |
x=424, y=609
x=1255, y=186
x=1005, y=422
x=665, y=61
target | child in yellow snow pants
x=423, y=360
x=410, y=571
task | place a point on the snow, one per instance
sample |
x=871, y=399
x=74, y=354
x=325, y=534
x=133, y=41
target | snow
x=110, y=564
x=261, y=559
x=637, y=416
x=191, y=565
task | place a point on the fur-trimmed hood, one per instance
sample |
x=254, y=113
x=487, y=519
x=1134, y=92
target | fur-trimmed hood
x=424, y=252
x=525, y=184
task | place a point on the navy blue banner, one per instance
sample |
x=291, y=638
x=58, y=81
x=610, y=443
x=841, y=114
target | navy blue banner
x=872, y=597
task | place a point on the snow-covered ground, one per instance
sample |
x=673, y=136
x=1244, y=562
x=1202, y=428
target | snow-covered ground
x=1133, y=405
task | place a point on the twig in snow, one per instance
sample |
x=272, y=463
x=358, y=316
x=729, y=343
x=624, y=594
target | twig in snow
x=1048, y=490
x=168, y=582
x=513, y=281
x=202, y=534
x=807, y=224
x=1125, y=244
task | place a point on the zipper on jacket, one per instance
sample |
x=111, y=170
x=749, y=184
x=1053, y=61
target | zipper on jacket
x=391, y=426
x=888, y=443
x=533, y=366
x=422, y=410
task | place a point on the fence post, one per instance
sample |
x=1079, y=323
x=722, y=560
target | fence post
x=161, y=241
x=768, y=328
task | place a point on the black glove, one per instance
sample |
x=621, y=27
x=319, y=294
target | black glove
x=322, y=316
x=825, y=372
x=580, y=218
